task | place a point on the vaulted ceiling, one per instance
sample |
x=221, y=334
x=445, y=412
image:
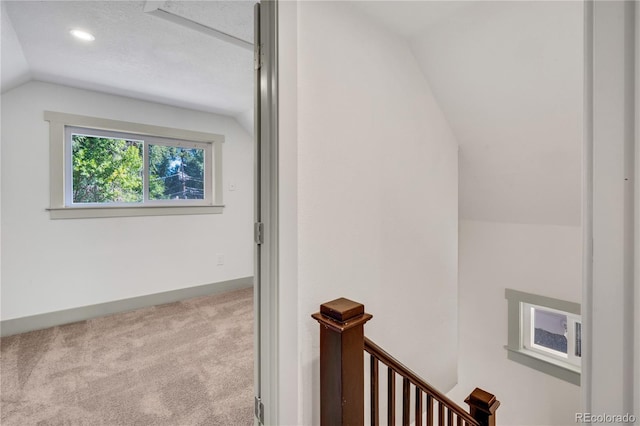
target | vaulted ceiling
x=509, y=78
x=135, y=53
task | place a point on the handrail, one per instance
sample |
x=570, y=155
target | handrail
x=342, y=343
x=401, y=369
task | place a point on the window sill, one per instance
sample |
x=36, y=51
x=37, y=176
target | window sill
x=98, y=212
x=548, y=365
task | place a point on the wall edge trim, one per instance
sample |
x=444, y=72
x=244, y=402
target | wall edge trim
x=82, y=313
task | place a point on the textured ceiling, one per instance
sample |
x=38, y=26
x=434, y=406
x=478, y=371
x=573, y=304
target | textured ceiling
x=231, y=17
x=139, y=55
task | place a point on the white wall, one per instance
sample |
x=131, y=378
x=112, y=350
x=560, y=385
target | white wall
x=50, y=265
x=509, y=77
x=539, y=259
x=288, y=375
x=376, y=194
x=352, y=82
x=610, y=292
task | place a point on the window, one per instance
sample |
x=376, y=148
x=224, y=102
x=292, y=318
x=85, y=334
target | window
x=545, y=334
x=105, y=168
x=552, y=333
x=114, y=168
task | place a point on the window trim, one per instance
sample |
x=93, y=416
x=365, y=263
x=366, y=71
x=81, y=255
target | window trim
x=58, y=209
x=516, y=348
x=528, y=334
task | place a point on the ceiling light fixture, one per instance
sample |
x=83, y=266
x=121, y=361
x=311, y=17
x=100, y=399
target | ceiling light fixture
x=82, y=35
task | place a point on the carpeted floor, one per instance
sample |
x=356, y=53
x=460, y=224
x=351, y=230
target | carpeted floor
x=180, y=364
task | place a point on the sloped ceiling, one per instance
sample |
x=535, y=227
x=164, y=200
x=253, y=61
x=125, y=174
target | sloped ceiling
x=409, y=18
x=15, y=69
x=136, y=54
x=508, y=76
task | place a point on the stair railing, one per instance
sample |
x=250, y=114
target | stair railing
x=342, y=374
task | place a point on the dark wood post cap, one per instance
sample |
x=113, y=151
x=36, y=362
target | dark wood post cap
x=483, y=401
x=341, y=314
x=342, y=309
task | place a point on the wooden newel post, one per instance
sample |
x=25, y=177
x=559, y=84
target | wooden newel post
x=341, y=362
x=483, y=406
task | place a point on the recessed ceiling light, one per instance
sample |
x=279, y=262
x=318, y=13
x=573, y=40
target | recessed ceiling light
x=82, y=35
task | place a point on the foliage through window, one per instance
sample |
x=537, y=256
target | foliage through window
x=108, y=168
x=176, y=173
x=120, y=169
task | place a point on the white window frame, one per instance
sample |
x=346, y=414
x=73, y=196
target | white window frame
x=520, y=344
x=528, y=335
x=61, y=126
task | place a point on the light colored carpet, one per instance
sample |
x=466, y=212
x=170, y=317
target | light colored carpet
x=180, y=364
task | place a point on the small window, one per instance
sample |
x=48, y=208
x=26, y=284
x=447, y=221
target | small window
x=111, y=168
x=552, y=333
x=545, y=334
